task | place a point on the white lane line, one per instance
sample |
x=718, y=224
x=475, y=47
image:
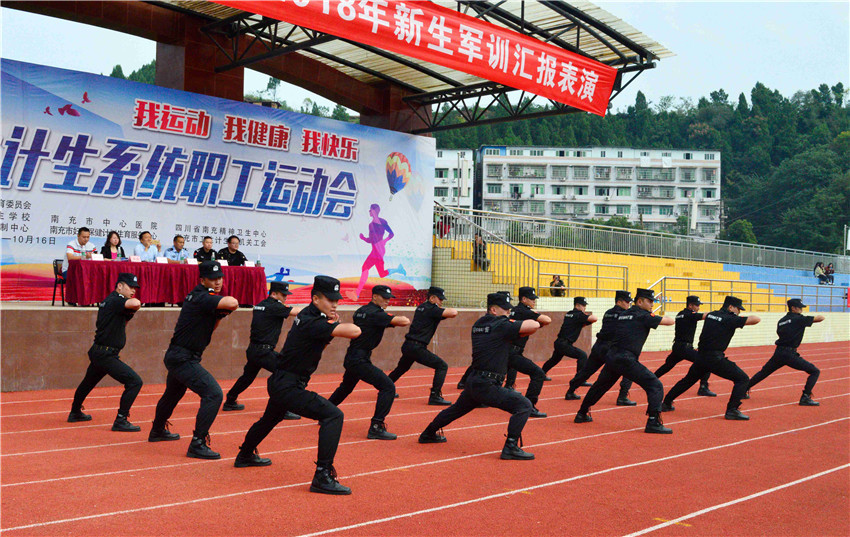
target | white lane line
x=453, y=429
x=739, y=500
x=260, y=383
x=424, y=511
x=308, y=423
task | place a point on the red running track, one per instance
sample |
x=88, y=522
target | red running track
x=785, y=472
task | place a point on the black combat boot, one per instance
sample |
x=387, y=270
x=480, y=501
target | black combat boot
x=78, y=415
x=746, y=395
x=583, y=417
x=245, y=459
x=572, y=396
x=512, y=451
x=736, y=414
x=231, y=405
x=536, y=413
x=199, y=448
x=705, y=392
x=806, y=400
x=428, y=437
x=436, y=399
x=378, y=431
x=291, y=416
x=121, y=424
x=623, y=399
x=163, y=434
x=655, y=425
x=324, y=482
x=667, y=407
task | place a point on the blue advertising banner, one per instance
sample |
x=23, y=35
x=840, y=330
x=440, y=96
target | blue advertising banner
x=305, y=195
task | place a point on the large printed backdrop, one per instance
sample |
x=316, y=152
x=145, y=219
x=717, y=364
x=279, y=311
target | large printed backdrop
x=109, y=154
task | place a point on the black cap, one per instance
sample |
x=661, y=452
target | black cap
x=645, y=293
x=327, y=287
x=280, y=287
x=623, y=295
x=211, y=270
x=501, y=299
x=733, y=301
x=528, y=292
x=437, y=292
x=796, y=303
x=129, y=279
x=693, y=299
x=580, y=300
x=383, y=291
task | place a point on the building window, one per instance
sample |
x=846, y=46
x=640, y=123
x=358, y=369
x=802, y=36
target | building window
x=579, y=208
x=561, y=153
x=666, y=154
x=455, y=192
x=536, y=152
x=624, y=191
x=689, y=156
x=581, y=173
x=624, y=209
x=688, y=174
x=494, y=188
x=494, y=170
x=602, y=191
x=456, y=173
x=538, y=189
x=619, y=154
x=439, y=154
x=515, y=190
x=581, y=153
x=559, y=172
x=644, y=174
x=644, y=209
x=708, y=211
x=602, y=173
x=492, y=205
x=441, y=191
x=602, y=154
x=491, y=152
x=709, y=175
x=624, y=173
x=580, y=190
x=537, y=207
x=686, y=192
x=461, y=154
x=707, y=228
x=441, y=173
x=666, y=193
x=516, y=152
x=665, y=210
x=600, y=209
x=708, y=193
x=559, y=190
x=709, y=156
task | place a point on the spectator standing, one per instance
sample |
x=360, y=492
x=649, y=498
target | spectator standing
x=231, y=252
x=78, y=248
x=113, y=250
x=206, y=252
x=147, y=249
x=479, y=253
x=556, y=286
x=177, y=253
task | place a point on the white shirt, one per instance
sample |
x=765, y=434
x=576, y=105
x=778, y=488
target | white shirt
x=75, y=248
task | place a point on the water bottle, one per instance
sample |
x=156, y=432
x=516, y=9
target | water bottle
x=258, y=262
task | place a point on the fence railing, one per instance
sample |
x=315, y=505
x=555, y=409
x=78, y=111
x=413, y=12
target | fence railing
x=537, y=231
x=672, y=290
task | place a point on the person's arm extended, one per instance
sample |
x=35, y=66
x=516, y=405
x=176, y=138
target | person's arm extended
x=346, y=330
x=227, y=303
x=752, y=319
x=132, y=304
x=528, y=327
x=400, y=320
x=295, y=311
x=819, y=318
x=389, y=230
x=667, y=321
x=592, y=319
x=544, y=319
x=449, y=313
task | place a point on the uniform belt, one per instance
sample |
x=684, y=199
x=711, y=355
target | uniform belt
x=689, y=343
x=786, y=347
x=194, y=353
x=516, y=349
x=105, y=348
x=489, y=375
x=261, y=345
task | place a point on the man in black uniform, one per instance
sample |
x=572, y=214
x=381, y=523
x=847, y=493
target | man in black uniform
x=312, y=330
x=415, y=348
x=516, y=361
x=622, y=301
x=623, y=358
x=205, y=252
x=109, y=338
x=683, y=343
x=717, y=331
x=231, y=253
x=492, y=336
x=790, y=330
x=372, y=319
x=203, y=309
x=574, y=320
x=266, y=325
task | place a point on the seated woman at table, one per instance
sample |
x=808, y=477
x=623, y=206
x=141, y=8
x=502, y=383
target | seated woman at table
x=113, y=250
x=149, y=249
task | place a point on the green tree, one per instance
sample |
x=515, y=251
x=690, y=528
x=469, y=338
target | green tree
x=739, y=231
x=118, y=72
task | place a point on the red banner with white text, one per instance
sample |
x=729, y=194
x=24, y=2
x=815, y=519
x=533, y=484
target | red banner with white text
x=430, y=32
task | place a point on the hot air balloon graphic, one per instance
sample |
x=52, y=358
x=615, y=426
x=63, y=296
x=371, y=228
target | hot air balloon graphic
x=398, y=172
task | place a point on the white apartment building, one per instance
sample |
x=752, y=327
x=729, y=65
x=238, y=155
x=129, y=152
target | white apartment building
x=650, y=186
x=453, y=177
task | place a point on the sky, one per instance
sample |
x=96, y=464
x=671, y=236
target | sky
x=788, y=46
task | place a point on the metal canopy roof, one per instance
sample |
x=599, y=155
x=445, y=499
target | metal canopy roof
x=579, y=27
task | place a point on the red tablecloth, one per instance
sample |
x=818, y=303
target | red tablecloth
x=90, y=281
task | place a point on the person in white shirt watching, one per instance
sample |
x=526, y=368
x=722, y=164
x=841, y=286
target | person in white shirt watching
x=79, y=248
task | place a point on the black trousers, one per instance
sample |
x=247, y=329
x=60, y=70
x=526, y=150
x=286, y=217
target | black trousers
x=623, y=363
x=519, y=363
x=478, y=391
x=185, y=371
x=258, y=358
x=107, y=363
x=288, y=392
x=565, y=348
x=412, y=351
x=783, y=356
x=681, y=351
x=592, y=365
x=370, y=374
x=712, y=362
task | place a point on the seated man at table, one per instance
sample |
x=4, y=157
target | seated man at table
x=231, y=253
x=206, y=252
x=149, y=249
x=176, y=253
x=78, y=248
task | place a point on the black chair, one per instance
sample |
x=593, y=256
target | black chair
x=58, y=281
